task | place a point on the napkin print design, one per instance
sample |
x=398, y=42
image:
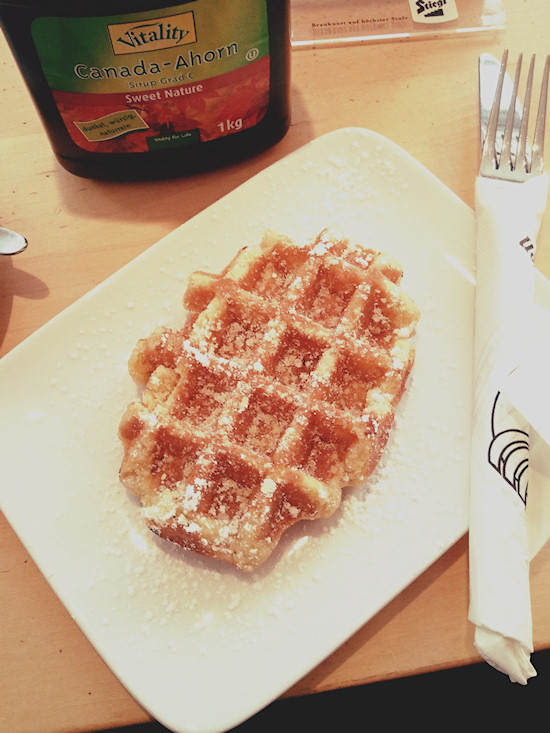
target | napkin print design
x=509, y=448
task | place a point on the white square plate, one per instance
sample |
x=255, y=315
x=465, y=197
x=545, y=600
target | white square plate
x=199, y=645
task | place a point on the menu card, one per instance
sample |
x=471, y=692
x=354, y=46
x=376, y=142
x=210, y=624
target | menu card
x=333, y=22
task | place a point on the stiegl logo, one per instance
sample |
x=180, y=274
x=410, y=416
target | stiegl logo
x=433, y=11
x=431, y=7
x=153, y=35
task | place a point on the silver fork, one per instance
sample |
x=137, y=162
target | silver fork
x=508, y=217
x=512, y=159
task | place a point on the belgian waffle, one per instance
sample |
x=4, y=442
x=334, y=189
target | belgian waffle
x=279, y=391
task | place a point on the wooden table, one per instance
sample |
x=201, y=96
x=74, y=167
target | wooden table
x=420, y=94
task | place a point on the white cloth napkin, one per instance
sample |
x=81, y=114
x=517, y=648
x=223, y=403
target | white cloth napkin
x=503, y=441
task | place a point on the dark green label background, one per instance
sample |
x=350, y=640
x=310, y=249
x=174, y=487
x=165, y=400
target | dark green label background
x=63, y=43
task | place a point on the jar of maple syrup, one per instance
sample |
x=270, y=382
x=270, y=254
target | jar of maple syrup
x=132, y=89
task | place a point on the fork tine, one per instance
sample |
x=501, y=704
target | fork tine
x=538, y=139
x=489, y=145
x=521, y=154
x=506, y=153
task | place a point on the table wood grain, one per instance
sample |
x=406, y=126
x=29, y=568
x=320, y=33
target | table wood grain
x=420, y=94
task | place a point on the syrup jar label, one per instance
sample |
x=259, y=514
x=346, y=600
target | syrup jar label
x=162, y=78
